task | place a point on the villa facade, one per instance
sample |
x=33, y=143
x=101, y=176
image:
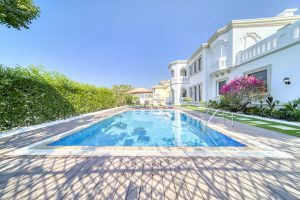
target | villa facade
x=161, y=92
x=268, y=48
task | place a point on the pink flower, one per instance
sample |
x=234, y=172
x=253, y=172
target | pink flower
x=248, y=83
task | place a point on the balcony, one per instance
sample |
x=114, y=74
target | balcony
x=282, y=38
x=219, y=64
x=182, y=80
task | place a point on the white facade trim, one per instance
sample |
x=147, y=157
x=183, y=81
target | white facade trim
x=241, y=47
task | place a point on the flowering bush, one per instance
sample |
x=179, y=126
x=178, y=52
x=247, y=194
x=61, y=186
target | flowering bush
x=241, y=91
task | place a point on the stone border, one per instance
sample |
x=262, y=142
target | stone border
x=252, y=149
x=43, y=125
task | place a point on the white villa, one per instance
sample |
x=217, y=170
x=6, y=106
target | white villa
x=268, y=48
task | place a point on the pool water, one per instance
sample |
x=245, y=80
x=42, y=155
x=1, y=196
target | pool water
x=167, y=128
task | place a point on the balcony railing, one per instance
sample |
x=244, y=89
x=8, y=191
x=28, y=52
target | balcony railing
x=220, y=63
x=182, y=79
x=284, y=37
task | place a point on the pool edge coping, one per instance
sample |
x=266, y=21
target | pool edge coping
x=252, y=149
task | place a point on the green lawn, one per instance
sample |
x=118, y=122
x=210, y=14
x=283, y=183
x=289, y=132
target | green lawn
x=253, y=121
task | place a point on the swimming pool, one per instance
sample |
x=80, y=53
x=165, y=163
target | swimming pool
x=161, y=128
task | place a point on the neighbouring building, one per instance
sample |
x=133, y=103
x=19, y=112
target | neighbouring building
x=161, y=92
x=268, y=48
x=144, y=95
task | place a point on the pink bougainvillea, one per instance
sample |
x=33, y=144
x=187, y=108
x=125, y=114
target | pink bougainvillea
x=244, y=83
x=241, y=91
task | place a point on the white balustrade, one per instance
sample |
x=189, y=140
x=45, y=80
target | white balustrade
x=285, y=36
x=220, y=63
x=181, y=79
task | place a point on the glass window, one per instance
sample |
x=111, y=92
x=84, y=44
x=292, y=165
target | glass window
x=199, y=93
x=262, y=75
x=182, y=72
x=191, y=71
x=199, y=64
x=195, y=67
x=172, y=74
x=183, y=93
x=220, y=85
x=195, y=93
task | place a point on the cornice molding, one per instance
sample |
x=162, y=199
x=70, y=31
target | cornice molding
x=247, y=23
x=176, y=62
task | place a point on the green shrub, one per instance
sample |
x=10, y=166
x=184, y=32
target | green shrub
x=286, y=114
x=253, y=110
x=187, y=100
x=290, y=112
x=213, y=104
x=33, y=95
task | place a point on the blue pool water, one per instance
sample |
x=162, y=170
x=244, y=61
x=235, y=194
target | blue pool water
x=147, y=128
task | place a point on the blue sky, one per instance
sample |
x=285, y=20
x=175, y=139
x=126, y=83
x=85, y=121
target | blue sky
x=123, y=41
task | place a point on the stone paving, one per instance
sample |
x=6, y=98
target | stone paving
x=113, y=177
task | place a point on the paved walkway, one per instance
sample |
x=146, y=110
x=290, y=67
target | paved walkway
x=50, y=177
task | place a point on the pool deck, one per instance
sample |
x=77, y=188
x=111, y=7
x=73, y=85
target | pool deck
x=121, y=177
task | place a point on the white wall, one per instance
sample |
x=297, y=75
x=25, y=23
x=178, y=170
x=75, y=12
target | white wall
x=227, y=46
x=284, y=63
x=176, y=85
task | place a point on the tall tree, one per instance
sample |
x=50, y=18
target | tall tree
x=121, y=93
x=18, y=13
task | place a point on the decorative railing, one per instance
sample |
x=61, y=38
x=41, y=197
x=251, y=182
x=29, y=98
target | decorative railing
x=284, y=37
x=182, y=79
x=220, y=63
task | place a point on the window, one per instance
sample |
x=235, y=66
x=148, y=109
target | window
x=199, y=93
x=199, y=64
x=195, y=67
x=182, y=72
x=262, y=75
x=172, y=74
x=220, y=84
x=183, y=93
x=191, y=71
x=195, y=94
x=191, y=93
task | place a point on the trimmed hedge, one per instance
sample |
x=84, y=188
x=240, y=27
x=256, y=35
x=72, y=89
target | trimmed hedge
x=34, y=95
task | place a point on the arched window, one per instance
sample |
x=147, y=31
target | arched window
x=250, y=39
x=183, y=92
x=183, y=72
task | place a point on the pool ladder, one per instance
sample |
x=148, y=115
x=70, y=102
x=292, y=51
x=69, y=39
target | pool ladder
x=211, y=117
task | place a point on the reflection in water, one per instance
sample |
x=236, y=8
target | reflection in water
x=128, y=142
x=147, y=128
x=177, y=129
x=141, y=134
x=121, y=125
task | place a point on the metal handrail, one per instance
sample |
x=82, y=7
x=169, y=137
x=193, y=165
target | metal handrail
x=216, y=111
x=211, y=117
x=207, y=110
